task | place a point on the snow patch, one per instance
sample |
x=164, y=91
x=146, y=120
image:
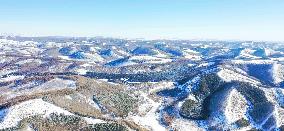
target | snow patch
x=93, y=121
x=11, y=78
x=82, y=71
x=236, y=107
x=229, y=75
x=29, y=108
x=206, y=64
x=277, y=73
x=151, y=119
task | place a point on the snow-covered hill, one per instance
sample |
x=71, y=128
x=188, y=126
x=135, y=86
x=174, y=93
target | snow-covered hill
x=58, y=83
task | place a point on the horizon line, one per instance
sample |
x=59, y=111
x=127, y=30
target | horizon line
x=135, y=38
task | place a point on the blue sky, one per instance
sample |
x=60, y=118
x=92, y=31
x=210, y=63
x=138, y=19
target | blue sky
x=153, y=19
